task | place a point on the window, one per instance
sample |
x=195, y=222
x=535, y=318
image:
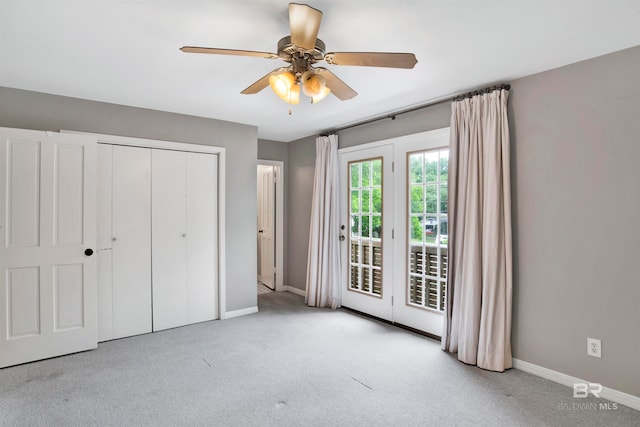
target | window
x=427, y=173
x=365, y=212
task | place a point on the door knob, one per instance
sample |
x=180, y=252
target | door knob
x=88, y=252
x=260, y=231
x=342, y=238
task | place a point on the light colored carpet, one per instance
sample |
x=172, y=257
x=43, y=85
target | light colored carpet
x=263, y=289
x=288, y=365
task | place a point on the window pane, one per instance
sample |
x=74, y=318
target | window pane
x=355, y=277
x=355, y=252
x=443, y=264
x=355, y=201
x=416, y=229
x=376, y=227
x=355, y=225
x=431, y=166
x=444, y=199
x=377, y=281
x=415, y=168
x=366, y=201
x=365, y=226
x=415, y=259
x=444, y=165
x=415, y=290
x=366, y=174
x=377, y=172
x=444, y=226
x=417, y=199
x=432, y=295
x=427, y=195
x=377, y=254
x=355, y=175
x=431, y=194
x=430, y=229
x=376, y=200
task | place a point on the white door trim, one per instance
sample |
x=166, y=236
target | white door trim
x=279, y=235
x=196, y=148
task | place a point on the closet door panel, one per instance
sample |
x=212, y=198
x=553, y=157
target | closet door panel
x=169, y=236
x=131, y=241
x=202, y=238
x=105, y=233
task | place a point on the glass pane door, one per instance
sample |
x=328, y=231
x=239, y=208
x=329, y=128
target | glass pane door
x=366, y=218
x=420, y=246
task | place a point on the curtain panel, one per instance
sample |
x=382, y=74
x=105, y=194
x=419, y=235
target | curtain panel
x=323, y=268
x=478, y=308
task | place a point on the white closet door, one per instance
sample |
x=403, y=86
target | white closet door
x=202, y=237
x=105, y=244
x=169, y=239
x=47, y=236
x=131, y=241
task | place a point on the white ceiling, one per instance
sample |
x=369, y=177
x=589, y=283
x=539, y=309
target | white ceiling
x=126, y=52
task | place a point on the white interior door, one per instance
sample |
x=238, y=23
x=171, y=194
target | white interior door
x=367, y=225
x=266, y=221
x=47, y=236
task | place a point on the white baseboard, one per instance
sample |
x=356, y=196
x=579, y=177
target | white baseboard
x=241, y=312
x=295, y=291
x=607, y=393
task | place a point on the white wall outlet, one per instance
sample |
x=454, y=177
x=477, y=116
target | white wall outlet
x=594, y=347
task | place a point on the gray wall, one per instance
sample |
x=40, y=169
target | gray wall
x=31, y=110
x=274, y=150
x=302, y=159
x=576, y=216
x=576, y=213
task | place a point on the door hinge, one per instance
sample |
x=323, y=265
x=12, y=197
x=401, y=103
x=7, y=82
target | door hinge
x=393, y=233
x=391, y=299
x=393, y=166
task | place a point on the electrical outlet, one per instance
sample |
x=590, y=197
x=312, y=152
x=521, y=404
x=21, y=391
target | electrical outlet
x=594, y=347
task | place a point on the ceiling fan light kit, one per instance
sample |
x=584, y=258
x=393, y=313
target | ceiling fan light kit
x=302, y=49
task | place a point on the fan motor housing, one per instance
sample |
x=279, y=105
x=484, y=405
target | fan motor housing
x=287, y=50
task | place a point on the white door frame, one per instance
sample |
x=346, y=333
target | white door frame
x=279, y=223
x=197, y=148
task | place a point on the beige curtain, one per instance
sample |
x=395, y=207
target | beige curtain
x=323, y=268
x=478, y=308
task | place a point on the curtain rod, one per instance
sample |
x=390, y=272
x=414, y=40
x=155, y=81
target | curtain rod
x=392, y=116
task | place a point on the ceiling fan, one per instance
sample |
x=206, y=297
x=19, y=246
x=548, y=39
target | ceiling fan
x=302, y=50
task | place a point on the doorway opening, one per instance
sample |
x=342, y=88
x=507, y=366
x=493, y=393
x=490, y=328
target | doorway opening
x=269, y=230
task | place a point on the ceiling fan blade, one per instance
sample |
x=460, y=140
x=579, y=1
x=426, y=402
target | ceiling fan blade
x=372, y=59
x=305, y=23
x=262, y=83
x=339, y=88
x=216, y=51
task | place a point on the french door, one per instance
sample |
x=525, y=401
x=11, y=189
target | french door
x=47, y=239
x=394, y=229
